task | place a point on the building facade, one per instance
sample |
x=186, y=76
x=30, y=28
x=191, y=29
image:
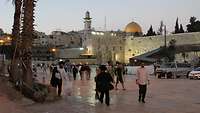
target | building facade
x=113, y=46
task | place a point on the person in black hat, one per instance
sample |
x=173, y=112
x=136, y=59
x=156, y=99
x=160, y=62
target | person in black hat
x=103, y=81
x=56, y=80
x=58, y=76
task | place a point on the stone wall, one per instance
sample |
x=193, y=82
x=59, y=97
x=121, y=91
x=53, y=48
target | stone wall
x=116, y=48
x=135, y=46
x=106, y=47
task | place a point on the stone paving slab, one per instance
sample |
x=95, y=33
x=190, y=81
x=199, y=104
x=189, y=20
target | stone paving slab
x=163, y=96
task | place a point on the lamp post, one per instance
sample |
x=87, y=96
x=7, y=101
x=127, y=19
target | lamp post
x=165, y=32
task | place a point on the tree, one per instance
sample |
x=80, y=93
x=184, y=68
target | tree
x=160, y=29
x=37, y=92
x=181, y=30
x=193, y=20
x=150, y=32
x=177, y=30
x=137, y=34
x=1, y=32
x=27, y=39
x=16, y=24
x=14, y=72
x=194, y=25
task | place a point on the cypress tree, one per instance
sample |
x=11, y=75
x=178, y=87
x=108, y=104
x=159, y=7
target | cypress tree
x=181, y=29
x=177, y=30
x=150, y=32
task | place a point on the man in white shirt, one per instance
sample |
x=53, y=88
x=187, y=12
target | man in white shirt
x=142, y=80
x=61, y=76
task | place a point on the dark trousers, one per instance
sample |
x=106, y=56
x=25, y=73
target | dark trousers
x=107, y=97
x=58, y=84
x=142, y=92
x=97, y=95
x=119, y=79
x=74, y=75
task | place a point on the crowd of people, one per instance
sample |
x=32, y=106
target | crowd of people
x=108, y=75
x=107, y=78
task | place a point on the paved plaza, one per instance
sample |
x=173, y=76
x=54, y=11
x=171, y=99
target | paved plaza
x=163, y=96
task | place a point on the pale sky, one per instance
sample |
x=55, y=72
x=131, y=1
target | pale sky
x=67, y=15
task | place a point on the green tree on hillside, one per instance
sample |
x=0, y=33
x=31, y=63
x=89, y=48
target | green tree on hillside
x=177, y=30
x=194, y=25
x=181, y=30
x=150, y=32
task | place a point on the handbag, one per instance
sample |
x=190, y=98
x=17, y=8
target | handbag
x=111, y=87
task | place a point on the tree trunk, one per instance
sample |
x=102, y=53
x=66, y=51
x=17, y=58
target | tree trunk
x=27, y=38
x=14, y=74
x=17, y=20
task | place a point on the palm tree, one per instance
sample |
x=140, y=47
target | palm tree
x=14, y=75
x=27, y=39
x=17, y=20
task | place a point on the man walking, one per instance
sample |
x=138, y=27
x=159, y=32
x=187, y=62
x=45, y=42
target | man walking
x=142, y=81
x=75, y=71
x=61, y=76
x=120, y=76
x=103, y=81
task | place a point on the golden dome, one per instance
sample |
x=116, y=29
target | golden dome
x=133, y=27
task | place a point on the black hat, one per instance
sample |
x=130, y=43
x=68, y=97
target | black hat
x=102, y=67
x=61, y=62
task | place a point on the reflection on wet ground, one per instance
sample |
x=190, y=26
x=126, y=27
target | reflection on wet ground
x=163, y=96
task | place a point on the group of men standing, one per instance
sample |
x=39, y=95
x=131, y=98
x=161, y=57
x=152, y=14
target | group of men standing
x=106, y=77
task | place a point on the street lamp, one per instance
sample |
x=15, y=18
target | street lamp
x=2, y=42
x=53, y=50
x=8, y=38
x=165, y=32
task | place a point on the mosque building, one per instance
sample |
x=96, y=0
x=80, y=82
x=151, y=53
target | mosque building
x=123, y=45
x=99, y=47
x=108, y=45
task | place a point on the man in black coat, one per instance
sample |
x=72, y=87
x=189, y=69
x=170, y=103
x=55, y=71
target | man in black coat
x=104, y=80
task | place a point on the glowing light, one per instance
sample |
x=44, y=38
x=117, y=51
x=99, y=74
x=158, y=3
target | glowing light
x=116, y=57
x=2, y=41
x=94, y=33
x=9, y=38
x=53, y=50
x=81, y=48
x=101, y=33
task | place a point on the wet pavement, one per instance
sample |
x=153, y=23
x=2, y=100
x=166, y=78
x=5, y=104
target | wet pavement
x=163, y=96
